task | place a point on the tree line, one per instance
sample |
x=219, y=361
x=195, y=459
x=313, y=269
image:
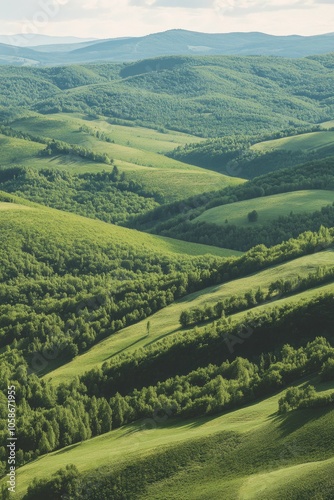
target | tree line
x=108, y=196
x=252, y=298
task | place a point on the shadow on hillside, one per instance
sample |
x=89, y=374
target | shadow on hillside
x=127, y=347
x=194, y=295
x=156, y=339
x=69, y=159
x=68, y=448
x=294, y=420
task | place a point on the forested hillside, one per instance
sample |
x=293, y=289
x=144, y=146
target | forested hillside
x=224, y=218
x=251, y=156
x=219, y=90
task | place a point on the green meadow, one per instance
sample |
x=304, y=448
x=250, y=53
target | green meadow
x=25, y=214
x=268, y=208
x=18, y=151
x=314, y=141
x=138, y=152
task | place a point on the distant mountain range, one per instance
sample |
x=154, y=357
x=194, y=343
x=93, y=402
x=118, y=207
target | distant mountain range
x=41, y=50
x=34, y=39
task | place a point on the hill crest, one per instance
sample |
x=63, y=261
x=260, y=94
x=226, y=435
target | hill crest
x=171, y=42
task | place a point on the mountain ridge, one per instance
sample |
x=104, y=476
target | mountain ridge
x=170, y=42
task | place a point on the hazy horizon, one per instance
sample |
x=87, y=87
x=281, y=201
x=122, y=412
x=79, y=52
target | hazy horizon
x=110, y=19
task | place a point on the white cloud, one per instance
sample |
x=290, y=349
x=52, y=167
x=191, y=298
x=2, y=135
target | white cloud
x=244, y=7
x=112, y=18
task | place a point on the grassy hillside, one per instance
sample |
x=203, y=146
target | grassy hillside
x=250, y=156
x=162, y=368
x=314, y=141
x=9, y=207
x=166, y=322
x=304, y=479
x=18, y=151
x=182, y=220
x=257, y=441
x=134, y=150
x=71, y=278
x=268, y=208
x=66, y=127
x=168, y=92
x=59, y=264
x=71, y=227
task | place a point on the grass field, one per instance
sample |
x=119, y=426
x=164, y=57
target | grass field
x=70, y=226
x=141, y=137
x=67, y=128
x=17, y=151
x=314, y=141
x=327, y=125
x=166, y=321
x=13, y=206
x=258, y=433
x=289, y=481
x=135, y=151
x=268, y=208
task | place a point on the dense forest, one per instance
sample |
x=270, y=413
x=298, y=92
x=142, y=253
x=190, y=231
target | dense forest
x=108, y=196
x=218, y=90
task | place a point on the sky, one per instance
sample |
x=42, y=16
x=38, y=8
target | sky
x=119, y=18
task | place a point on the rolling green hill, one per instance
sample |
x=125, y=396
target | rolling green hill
x=72, y=281
x=179, y=219
x=251, y=156
x=307, y=143
x=268, y=208
x=75, y=129
x=18, y=151
x=134, y=150
x=221, y=91
x=262, y=454
x=166, y=322
x=70, y=227
x=152, y=358
x=52, y=247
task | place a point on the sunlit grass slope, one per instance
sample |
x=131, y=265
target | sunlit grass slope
x=309, y=142
x=70, y=226
x=268, y=208
x=66, y=127
x=135, y=151
x=306, y=480
x=166, y=321
x=17, y=151
x=268, y=453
